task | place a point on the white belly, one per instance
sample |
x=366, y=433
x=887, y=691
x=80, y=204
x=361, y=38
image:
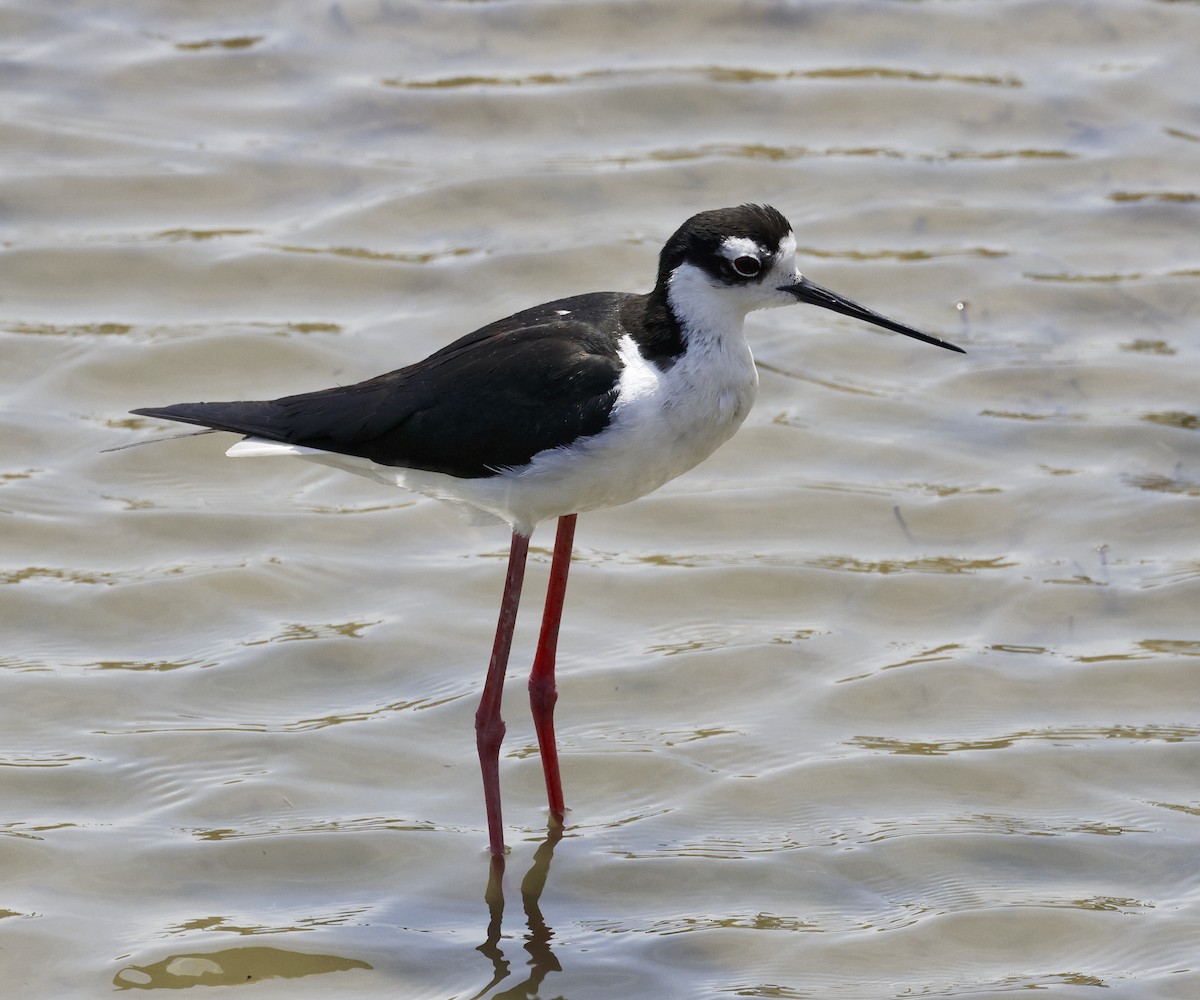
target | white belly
x=663, y=424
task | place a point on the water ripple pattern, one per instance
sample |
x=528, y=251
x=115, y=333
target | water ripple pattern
x=898, y=695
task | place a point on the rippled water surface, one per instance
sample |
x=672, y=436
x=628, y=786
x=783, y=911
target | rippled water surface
x=898, y=695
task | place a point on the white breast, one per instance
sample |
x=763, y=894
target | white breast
x=663, y=424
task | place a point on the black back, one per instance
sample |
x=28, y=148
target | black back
x=490, y=400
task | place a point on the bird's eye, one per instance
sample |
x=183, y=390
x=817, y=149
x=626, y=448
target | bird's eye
x=747, y=266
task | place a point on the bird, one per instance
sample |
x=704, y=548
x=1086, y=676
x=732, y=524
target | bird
x=574, y=405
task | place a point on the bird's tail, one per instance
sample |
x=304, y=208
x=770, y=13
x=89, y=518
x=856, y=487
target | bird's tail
x=255, y=418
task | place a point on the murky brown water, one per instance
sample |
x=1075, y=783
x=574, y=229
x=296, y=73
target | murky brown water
x=898, y=695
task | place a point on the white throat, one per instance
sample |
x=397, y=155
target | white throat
x=713, y=385
x=708, y=314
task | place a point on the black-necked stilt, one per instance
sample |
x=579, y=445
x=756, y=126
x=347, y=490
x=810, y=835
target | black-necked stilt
x=573, y=405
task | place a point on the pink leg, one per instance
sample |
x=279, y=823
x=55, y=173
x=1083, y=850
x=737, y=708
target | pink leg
x=542, y=692
x=489, y=727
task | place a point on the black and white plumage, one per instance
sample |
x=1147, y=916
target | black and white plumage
x=574, y=405
x=570, y=406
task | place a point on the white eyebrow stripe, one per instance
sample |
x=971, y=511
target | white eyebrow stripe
x=733, y=247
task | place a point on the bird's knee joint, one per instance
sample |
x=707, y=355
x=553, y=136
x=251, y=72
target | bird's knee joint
x=542, y=694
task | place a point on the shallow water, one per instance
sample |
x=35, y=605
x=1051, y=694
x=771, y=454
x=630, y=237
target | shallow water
x=897, y=695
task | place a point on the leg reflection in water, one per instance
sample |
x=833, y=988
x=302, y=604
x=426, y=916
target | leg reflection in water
x=537, y=940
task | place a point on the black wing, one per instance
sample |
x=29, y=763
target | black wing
x=491, y=400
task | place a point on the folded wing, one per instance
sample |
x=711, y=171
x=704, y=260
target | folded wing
x=492, y=400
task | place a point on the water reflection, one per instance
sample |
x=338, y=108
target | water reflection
x=542, y=960
x=230, y=967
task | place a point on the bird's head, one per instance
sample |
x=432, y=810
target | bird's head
x=722, y=264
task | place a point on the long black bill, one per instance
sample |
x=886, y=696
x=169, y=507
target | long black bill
x=811, y=292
